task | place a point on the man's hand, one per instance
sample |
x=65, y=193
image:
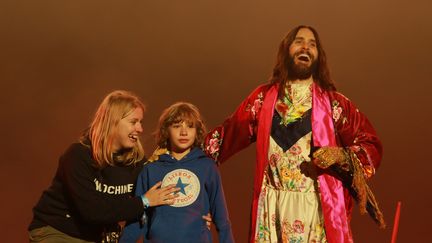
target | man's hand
x=326, y=156
x=208, y=220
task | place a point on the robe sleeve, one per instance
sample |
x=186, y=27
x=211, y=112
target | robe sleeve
x=238, y=131
x=356, y=133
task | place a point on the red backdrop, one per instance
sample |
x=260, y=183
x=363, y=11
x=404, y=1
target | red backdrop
x=59, y=58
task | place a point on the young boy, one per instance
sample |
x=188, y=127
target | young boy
x=181, y=161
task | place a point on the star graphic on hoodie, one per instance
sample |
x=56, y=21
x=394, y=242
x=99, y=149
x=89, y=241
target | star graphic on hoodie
x=181, y=185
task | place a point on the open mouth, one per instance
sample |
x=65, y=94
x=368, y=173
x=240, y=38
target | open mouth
x=303, y=57
x=133, y=137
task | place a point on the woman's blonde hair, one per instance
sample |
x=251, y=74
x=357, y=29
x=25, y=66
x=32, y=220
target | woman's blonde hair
x=178, y=112
x=115, y=106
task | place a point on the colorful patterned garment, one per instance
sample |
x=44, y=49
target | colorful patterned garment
x=289, y=202
x=335, y=122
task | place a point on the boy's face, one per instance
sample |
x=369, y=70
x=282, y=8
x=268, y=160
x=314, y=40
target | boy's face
x=181, y=137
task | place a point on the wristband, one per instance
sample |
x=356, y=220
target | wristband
x=145, y=201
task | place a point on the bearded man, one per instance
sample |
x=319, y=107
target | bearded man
x=315, y=149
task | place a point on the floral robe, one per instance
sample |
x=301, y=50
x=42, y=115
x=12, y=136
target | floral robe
x=335, y=121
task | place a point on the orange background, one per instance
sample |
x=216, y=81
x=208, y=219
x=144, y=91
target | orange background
x=59, y=58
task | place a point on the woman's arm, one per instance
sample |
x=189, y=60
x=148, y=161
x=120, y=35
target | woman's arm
x=78, y=175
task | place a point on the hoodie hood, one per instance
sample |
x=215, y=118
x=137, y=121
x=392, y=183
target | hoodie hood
x=194, y=154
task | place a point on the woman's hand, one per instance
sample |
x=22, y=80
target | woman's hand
x=161, y=195
x=208, y=220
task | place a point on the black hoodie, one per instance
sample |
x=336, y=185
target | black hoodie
x=83, y=200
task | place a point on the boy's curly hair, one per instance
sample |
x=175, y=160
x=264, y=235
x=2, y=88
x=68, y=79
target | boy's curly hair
x=178, y=112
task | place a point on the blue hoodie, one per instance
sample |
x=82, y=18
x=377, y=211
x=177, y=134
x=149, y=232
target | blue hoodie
x=200, y=193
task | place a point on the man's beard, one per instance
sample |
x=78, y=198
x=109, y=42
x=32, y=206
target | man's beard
x=300, y=71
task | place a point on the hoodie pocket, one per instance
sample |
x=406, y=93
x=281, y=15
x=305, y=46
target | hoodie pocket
x=179, y=227
x=155, y=228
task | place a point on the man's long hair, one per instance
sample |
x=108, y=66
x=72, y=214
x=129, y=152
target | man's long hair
x=280, y=71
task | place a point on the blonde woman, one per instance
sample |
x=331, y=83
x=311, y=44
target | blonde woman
x=92, y=189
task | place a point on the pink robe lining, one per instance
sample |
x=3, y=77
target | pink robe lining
x=331, y=190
